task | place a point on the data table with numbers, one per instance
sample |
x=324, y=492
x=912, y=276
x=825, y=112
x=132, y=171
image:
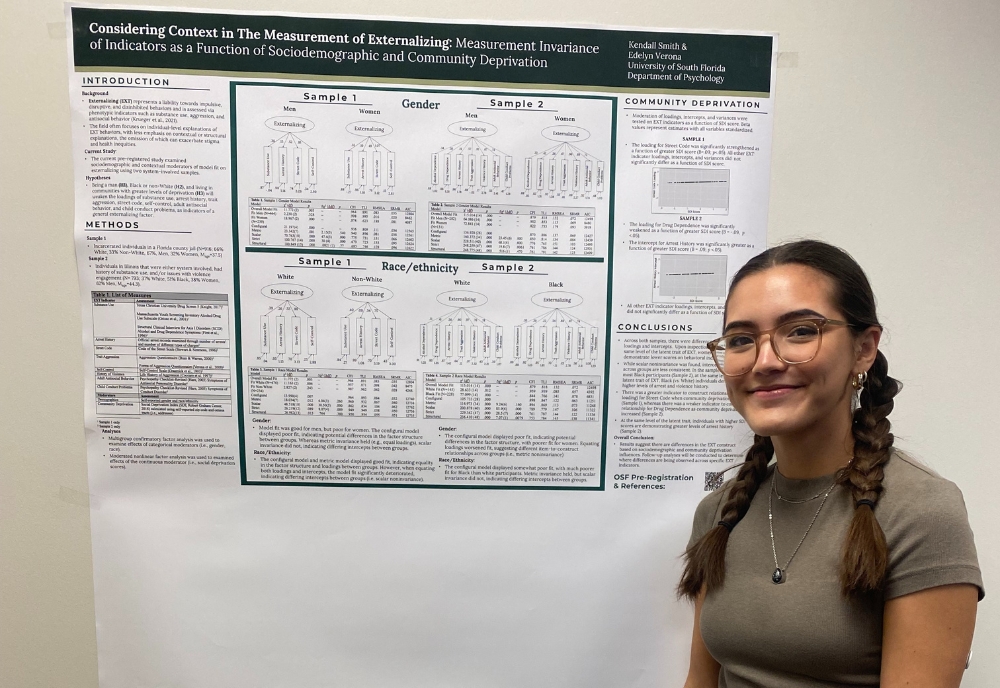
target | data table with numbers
x=324, y=392
x=492, y=228
x=468, y=396
x=320, y=223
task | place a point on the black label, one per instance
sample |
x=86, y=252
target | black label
x=613, y=59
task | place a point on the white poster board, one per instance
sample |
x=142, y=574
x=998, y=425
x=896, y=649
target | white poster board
x=395, y=339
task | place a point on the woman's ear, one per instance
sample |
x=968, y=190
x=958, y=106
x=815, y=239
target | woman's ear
x=866, y=347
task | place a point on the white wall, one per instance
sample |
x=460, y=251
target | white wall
x=886, y=141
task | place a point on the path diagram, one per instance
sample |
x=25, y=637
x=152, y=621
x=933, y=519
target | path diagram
x=556, y=338
x=564, y=170
x=472, y=165
x=461, y=336
x=367, y=334
x=290, y=164
x=369, y=167
x=287, y=333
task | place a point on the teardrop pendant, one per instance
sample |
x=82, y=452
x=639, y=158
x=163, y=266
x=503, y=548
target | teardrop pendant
x=778, y=577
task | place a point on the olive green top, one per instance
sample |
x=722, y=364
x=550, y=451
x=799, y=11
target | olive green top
x=805, y=632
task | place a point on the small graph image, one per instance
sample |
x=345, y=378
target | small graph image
x=461, y=336
x=367, y=334
x=684, y=278
x=369, y=167
x=290, y=164
x=695, y=191
x=287, y=332
x=564, y=170
x=556, y=337
x=472, y=165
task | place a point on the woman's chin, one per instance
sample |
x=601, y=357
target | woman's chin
x=774, y=422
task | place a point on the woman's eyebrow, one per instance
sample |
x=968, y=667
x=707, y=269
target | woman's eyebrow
x=791, y=315
x=740, y=325
x=801, y=313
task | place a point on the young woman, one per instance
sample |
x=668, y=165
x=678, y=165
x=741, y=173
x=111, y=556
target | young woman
x=842, y=562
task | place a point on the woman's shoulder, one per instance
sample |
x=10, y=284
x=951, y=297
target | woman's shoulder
x=709, y=505
x=926, y=526
x=914, y=494
x=906, y=479
x=707, y=514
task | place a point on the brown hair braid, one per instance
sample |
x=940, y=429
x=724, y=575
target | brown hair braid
x=705, y=560
x=865, y=553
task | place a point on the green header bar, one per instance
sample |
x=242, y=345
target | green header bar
x=611, y=58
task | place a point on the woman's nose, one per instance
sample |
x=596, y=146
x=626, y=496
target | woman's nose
x=767, y=357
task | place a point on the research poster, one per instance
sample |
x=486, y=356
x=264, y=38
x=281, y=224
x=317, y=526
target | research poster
x=321, y=257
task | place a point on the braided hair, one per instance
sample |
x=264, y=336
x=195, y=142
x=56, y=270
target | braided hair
x=865, y=554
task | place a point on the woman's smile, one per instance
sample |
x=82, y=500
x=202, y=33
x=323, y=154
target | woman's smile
x=773, y=392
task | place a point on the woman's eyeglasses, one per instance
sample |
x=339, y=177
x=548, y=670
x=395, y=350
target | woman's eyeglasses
x=793, y=343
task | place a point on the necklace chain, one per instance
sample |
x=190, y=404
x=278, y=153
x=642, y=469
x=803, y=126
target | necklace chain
x=799, y=501
x=779, y=571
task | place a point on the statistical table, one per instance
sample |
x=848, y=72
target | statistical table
x=472, y=396
x=320, y=223
x=511, y=229
x=327, y=392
